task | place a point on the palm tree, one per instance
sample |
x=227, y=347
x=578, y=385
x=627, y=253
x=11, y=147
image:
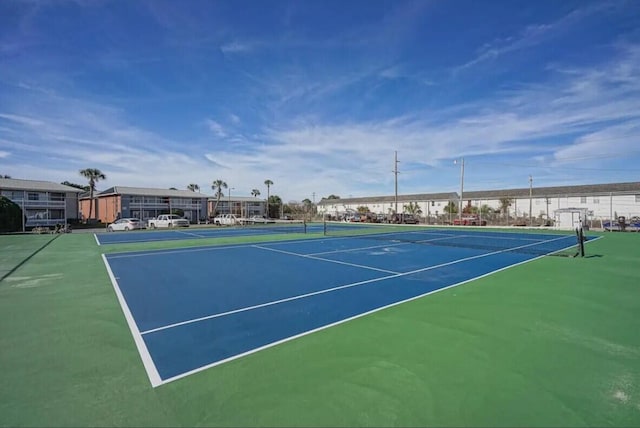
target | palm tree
x=93, y=175
x=412, y=208
x=218, y=185
x=505, y=203
x=255, y=193
x=5, y=176
x=268, y=183
x=193, y=187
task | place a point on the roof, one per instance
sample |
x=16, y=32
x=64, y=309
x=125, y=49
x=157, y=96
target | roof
x=537, y=192
x=145, y=191
x=237, y=198
x=401, y=198
x=581, y=190
x=149, y=191
x=35, y=185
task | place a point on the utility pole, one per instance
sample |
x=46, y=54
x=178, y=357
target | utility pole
x=530, y=203
x=395, y=171
x=461, y=186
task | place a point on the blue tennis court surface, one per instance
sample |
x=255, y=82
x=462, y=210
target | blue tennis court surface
x=191, y=309
x=195, y=233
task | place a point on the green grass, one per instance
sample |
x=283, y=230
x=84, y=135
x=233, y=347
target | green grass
x=553, y=342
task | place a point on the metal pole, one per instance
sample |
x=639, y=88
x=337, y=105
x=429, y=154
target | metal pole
x=530, y=194
x=461, y=187
x=395, y=171
x=24, y=212
x=610, y=211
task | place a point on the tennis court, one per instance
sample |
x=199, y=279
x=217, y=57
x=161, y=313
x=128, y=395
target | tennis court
x=194, y=308
x=542, y=341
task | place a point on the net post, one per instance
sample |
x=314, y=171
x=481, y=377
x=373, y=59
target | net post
x=304, y=225
x=581, y=243
x=324, y=225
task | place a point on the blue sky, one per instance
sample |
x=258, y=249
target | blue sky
x=317, y=95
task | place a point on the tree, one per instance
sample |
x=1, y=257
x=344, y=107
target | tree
x=412, y=208
x=172, y=188
x=362, y=209
x=5, y=176
x=333, y=197
x=268, y=183
x=275, y=201
x=308, y=205
x=10, y=216
x=77, y=186
x=93, y=175
x=451, y=208
x=217, y=186
x=505, y=203
x=193, y=187
x=255, y=193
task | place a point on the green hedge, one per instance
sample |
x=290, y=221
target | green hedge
x=10, y=216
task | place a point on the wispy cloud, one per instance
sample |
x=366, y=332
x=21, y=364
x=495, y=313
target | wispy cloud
x=237, y=47
x=534, y=35
x=216, y=128
x=4, y=154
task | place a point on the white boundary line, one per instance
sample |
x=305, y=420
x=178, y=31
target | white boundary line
x=147, y=361
x=312, y=257
x=189, y=233
x=96, y=238
x=324, y=327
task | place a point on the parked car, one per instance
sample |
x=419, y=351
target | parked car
x=402, y=219
x=168, y=220
x=126, y=224
x=472, y=221
x=225, y=220
x=256, y=219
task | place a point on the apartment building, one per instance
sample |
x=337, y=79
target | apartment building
x=143, y=203
x=44, y=203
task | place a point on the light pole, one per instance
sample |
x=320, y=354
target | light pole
x=461, y=185
x=530, y=195
x=395, y=172
x=230, y=189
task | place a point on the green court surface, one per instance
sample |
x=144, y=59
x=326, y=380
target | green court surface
x=553, y=342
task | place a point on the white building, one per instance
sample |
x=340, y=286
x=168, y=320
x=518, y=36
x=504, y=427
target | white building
x=602, y=201
x=430, y=205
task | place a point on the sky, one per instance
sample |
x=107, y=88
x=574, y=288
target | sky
x=318, y=96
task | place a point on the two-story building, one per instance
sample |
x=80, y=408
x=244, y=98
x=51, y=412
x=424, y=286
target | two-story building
x=601, y=201
x=43, y=203
x=143, y=203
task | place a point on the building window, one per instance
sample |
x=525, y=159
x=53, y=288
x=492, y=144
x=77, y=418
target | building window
x=583, y=199
x=56, y=214
x=637, y=198
x=33, y=196
x=596, y=200
x=57, y=197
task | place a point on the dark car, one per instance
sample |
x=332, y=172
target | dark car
x=402, y=219
x=408, y=219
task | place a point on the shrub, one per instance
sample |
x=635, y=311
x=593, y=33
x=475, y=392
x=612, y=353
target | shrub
x=10, y=216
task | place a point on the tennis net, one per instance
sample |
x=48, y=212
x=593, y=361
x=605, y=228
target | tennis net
x=275, y=226
x=569, y=245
